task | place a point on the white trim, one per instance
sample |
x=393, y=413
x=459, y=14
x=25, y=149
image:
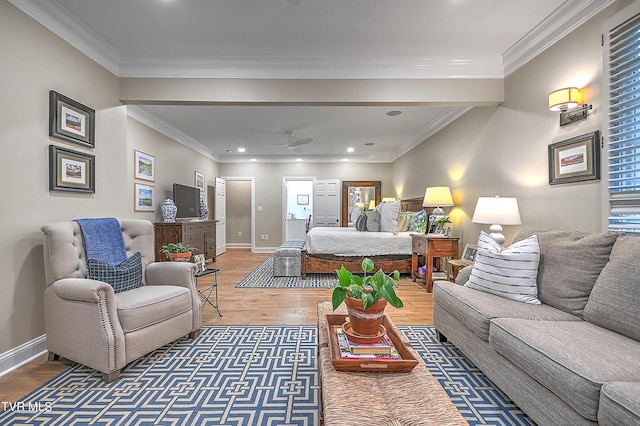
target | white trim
x=169, y=131
x=23, y=354
x=264, y=250
x=561, y=22
x=238, y=246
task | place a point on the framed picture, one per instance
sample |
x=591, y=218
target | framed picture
x=575, y=160
x=70, y=120
x=71, y=171
x=199, y=181
x=303, y=199
x=468, y=254
x=145, y=166
x=145, y=200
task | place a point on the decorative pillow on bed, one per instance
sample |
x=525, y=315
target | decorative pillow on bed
x=354, y=214
x=361, y=223
x=125, y=276
x=373, y=221
x=415, y=217
x=403, y=221
x=389, y=216
x=510, y=272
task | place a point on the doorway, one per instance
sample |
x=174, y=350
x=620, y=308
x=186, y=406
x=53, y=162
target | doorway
x=298, y=195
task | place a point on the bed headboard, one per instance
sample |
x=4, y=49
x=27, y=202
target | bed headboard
x=411, y=204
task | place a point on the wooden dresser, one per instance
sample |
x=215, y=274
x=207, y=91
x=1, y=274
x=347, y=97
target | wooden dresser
x=199, y=234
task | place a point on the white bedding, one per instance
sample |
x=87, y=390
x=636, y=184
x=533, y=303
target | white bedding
x=350, y=242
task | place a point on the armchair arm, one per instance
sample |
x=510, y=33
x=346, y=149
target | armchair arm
x=83, y=290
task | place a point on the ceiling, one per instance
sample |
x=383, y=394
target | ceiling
x=309, y=39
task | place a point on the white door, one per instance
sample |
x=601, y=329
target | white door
x=326, y=203
x=221, y=216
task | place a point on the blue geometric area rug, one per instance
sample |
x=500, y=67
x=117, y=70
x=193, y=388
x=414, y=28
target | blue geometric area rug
x=479, y=402
x=239, y=375
x=256, y=375
x=262, y=277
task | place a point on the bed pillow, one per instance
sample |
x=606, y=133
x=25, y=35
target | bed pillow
x=510, y=272
x=414, y=218
x=125, y=276
x=404, y=218
x=373, y=221
x=389, y=216
x=354, y=214
x=361, y=223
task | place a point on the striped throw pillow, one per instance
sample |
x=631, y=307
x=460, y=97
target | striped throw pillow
x=510, y=272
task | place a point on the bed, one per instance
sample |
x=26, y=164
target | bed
x=329, y=248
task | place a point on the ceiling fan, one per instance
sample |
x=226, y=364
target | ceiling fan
x=294, y=144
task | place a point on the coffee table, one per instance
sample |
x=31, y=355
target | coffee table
x=380, y=398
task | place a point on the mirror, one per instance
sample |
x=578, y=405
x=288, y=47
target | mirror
x=359, y=193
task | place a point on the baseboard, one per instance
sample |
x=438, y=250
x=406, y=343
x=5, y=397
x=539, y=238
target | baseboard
x=238, y=245
x=264, y=250
x=23, y=354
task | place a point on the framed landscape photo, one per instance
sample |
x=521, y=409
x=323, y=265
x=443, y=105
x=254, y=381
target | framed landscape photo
x=70, y=120
x=575, y=160
x=199, y=181
x=71, y=171
x=145, y=166
x=144, y=198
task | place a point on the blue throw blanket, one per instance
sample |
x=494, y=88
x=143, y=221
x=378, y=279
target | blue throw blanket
x=103, y=240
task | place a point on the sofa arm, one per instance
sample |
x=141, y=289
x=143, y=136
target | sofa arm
x=172, y=273
x=463, y=275
x=82, y=290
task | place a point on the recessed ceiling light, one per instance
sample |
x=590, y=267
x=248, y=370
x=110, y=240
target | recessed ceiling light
x=254, y=159
x=229, y=151
x=369, y=144
x=350, y=149
x=298, y=159
x=241, y=150
x=394, y=113
x=344, y=159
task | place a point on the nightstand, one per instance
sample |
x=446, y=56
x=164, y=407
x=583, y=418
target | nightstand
x=431, y=248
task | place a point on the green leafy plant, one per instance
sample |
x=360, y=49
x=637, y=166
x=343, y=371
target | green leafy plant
x=173, y=248
x=369, y=288
x=441, y=222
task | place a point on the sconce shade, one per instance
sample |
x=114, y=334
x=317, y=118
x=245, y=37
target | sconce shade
x=497, y=210
x=437, y=196
x=563, y=99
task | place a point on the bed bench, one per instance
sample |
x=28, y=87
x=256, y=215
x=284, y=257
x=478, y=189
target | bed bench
x=286, y=259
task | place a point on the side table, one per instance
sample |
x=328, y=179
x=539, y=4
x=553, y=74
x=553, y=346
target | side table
x=430, y=248
x=205, y=294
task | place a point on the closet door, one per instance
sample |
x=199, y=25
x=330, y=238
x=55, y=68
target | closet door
x=326, y=203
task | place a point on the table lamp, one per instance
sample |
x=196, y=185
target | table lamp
x=497, y=211
x=438, y=197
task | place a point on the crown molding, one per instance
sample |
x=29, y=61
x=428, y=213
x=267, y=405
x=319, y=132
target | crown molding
x=57, y=20
x=314, y=67
x=169, y=131
x=561, y=22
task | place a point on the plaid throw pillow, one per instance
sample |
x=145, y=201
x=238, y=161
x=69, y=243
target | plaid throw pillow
x=125, y=276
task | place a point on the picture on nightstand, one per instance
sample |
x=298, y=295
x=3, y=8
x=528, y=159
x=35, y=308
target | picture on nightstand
x=469, y=254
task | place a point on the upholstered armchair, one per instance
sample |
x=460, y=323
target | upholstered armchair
x=87, y=322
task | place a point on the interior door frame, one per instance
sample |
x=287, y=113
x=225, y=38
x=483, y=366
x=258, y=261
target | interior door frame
x=284, y=198
x=253, y=203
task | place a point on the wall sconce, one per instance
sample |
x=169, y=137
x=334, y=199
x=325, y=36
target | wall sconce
x=567, y=101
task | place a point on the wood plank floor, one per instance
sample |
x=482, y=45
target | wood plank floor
x=241, y=306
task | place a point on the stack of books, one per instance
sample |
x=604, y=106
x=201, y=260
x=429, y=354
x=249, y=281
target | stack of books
x=383, y=349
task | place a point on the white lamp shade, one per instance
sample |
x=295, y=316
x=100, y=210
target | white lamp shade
x=437, y=196
x=497, y=210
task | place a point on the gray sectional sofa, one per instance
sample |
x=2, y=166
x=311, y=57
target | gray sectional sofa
x=575, y=358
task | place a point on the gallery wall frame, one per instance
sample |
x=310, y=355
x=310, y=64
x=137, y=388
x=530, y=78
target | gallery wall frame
x=71, y=170
x=71, y=121
x=144, y=198
x=575, y=160
x=199, y=181
x=303, y=199
x=144, y=165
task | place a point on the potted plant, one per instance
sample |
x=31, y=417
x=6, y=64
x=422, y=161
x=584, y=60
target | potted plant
x=366, y=297
x=440, y=223
x=178, y=252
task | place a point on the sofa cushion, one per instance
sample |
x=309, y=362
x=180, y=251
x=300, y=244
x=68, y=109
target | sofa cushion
x=506, y=272
x=151, y=304
x=619, y=404
x=570, y=263
x=476, y=309
x=615, y=299
x=573, y=359
x=125, y=276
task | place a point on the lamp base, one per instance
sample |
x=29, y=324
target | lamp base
x=436, y=213
x=496, y=233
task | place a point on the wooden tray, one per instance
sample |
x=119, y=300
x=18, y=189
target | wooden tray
x=405, y=364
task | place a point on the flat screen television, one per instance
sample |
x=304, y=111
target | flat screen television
x=187, y=200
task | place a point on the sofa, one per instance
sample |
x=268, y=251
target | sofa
x=572, y=359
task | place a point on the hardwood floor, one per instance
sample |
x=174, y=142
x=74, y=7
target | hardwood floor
x=241, y=306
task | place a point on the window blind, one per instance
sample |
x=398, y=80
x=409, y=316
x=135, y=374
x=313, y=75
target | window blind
x=624, y=126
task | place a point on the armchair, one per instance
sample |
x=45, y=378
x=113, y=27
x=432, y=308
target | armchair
x=88, y=323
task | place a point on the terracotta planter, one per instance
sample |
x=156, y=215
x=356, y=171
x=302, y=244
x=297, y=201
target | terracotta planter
x=180, y=257
x=365, y=323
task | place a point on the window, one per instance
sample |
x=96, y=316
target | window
x=623, y=136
